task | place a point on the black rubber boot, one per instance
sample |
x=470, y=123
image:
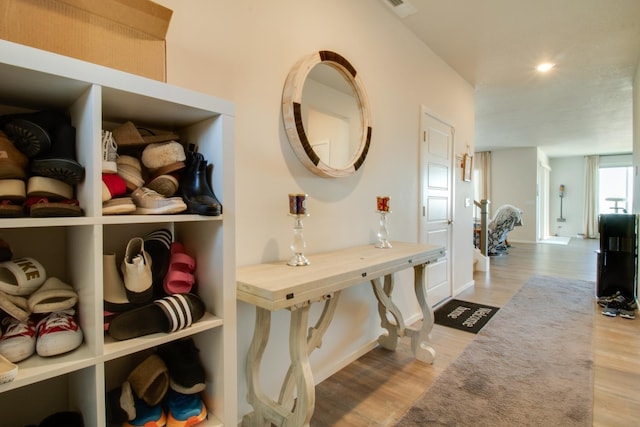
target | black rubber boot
x=207, y=171
x=60, y=162
x=195, y=190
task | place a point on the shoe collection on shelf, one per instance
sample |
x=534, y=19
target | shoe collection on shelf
x=153, y=174
x=39, y=148
x=117, y=265
x=162, y=389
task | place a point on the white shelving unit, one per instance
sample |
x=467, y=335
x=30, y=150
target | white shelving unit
x=71, y=248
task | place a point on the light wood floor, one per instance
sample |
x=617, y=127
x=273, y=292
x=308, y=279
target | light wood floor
x=379, y=387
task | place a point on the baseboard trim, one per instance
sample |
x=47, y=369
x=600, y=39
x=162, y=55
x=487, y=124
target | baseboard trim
x=323, y=374
x=464, y=288
x=521, y=241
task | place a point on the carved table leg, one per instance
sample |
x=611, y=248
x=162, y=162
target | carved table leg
x=394, y=330
x=421, y=338
x=291, y=410
x=314, y=340
x=255, y=395
x=305, y=391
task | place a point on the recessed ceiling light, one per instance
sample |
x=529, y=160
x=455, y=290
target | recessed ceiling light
x=544, y=67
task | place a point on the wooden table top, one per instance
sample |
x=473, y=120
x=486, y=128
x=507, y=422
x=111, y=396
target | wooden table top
x=276, y=285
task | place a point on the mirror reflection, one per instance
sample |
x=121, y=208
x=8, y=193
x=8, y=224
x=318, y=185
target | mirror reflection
x=331, y=116
x=326, y=115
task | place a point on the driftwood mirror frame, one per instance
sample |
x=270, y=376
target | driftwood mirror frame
x=292, y=114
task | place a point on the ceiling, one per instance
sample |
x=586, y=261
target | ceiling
x=582, y=106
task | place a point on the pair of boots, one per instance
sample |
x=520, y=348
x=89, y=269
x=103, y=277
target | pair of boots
x=195, y=188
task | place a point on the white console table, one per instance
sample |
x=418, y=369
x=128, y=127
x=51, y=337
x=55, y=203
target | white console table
x=275, y=286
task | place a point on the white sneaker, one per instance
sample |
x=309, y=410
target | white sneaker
x=118, y=206
x=19, y=339
x=58, y=333
x=150, y=202
x=130, y=170
x=165, y=185
x=109, y=153
x=136, y=270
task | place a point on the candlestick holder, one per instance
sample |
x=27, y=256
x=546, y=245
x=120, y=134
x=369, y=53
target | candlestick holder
x=298, y=244
x=383, y=232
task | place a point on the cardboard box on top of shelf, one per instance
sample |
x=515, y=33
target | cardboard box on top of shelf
x=127, y=35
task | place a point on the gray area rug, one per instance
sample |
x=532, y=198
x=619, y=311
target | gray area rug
x=532, y=365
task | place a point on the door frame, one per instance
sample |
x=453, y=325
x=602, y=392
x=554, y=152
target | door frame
x=543, y=202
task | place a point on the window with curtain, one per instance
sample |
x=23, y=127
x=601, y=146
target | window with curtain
x=481, y=179
x=615, y=181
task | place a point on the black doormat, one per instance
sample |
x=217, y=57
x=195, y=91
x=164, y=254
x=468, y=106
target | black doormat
x=463, y=315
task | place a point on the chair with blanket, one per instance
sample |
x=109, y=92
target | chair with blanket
x=504, y=220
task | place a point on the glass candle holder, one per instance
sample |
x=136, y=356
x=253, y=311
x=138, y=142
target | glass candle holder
x=298, y=244
x=382, y=207
x=298, y=210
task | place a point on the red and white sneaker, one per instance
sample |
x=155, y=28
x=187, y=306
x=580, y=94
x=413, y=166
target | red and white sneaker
x=58, y=333
x=18, y=340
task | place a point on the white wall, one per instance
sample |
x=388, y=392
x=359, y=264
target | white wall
x=570, y=172
x=242, y=50
x=514, y=182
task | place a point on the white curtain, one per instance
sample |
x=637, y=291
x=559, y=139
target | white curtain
x=482, y=178
x=591, y=166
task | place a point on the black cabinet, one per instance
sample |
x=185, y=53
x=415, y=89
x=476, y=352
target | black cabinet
x=617, y=256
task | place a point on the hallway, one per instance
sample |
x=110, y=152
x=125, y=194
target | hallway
x=379, y=387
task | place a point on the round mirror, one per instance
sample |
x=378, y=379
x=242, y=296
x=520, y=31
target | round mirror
x=326, y=115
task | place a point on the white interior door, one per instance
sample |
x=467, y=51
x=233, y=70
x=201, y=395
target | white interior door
x=436, y=180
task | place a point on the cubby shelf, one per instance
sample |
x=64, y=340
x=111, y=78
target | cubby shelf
x=72, y=249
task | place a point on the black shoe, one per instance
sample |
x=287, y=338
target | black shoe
x=604, y=300
x=31, y=132
x=613, y=307
x=120, y=405
x=63, y=419
x=5, y=251
x=207, y=171
x=60, y=161
x=628, y=309
x=195, y=189
x=158, y=245
x=186, y=373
